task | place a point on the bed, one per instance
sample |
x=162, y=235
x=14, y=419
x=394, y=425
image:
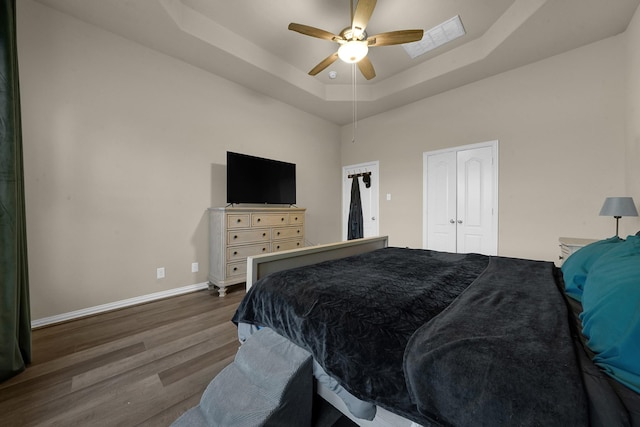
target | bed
x=405, y=336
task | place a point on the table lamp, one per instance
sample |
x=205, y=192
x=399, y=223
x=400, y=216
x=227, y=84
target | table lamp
x=618, y=207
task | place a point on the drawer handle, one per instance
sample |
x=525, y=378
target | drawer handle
x=264, y=249
x=278, y=247
x=235, y=237
x=259, y=219
x=281, y=219
x=235, y=268
x=235, y=252
x=278, y=233
x=264, y=234
x=298, y=244
x=298, y=231
x=295, y=219
x=239, y=220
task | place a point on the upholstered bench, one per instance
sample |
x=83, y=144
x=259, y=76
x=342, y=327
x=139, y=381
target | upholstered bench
x=269, y=383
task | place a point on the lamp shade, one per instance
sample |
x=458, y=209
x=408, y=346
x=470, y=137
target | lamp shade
x=353, y=51
x=618, y=206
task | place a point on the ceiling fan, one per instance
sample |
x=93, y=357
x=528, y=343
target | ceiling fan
x=354, y=41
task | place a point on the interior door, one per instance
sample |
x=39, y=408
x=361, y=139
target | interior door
x=369, y=197
x=442, y=205
x=460, y=197
x=475, y=196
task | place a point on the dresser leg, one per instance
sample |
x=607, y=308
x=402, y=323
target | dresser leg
x=222, y=290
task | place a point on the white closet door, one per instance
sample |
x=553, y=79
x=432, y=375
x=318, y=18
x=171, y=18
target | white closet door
x=475, y=184
x=460, y=196
x=441, y=206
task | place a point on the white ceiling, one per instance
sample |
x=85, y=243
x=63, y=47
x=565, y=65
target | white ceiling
x=247, y=41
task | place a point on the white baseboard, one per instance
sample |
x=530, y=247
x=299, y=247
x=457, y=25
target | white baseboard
x=38, y=323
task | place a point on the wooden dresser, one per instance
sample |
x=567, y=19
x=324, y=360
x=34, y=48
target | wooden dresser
x=238, y=232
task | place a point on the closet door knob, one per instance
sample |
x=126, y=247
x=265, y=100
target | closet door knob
x=459, y=221
x=452, y=221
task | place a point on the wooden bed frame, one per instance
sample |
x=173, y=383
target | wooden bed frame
x=260, y=265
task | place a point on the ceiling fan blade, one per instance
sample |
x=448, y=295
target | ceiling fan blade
x=364, y=10
x=314, y=32
x=395, y=37
x=366, y=68
x=324, y=64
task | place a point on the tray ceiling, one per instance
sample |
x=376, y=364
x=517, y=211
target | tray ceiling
x=248, y=42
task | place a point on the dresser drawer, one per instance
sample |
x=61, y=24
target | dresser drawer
x=237, y=268
x=237, y=237
x=238, y=220
x=286, y=245
x=269, y=219
x=237, y=253
x=286, y=232
x=296, y=219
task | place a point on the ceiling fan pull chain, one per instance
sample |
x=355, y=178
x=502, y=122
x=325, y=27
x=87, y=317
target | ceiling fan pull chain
x=355, y=101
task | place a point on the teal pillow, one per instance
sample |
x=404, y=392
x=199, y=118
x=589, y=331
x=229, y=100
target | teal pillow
x=611, y=312
x=576, y=267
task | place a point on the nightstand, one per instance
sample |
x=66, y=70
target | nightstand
x=569, y=245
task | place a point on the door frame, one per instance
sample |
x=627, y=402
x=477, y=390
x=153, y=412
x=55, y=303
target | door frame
x=494, y=146
x=374, y=168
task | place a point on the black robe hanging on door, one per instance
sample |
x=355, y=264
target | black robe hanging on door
x=355, y=228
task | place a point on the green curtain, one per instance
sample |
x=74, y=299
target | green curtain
x=15, y=316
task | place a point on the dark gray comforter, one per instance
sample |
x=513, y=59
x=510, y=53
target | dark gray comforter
x=442, y=339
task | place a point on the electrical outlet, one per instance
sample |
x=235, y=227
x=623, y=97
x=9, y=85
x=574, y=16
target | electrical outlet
x=194, y=267
x=160, y=273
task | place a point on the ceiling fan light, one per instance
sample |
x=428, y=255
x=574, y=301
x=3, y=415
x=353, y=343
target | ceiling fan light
x=353, y=51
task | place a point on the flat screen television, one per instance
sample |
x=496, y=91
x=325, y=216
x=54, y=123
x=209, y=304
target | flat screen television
x=253, y=179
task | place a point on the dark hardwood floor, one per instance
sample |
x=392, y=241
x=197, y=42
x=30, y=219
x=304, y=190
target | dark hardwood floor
x=138, y=366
